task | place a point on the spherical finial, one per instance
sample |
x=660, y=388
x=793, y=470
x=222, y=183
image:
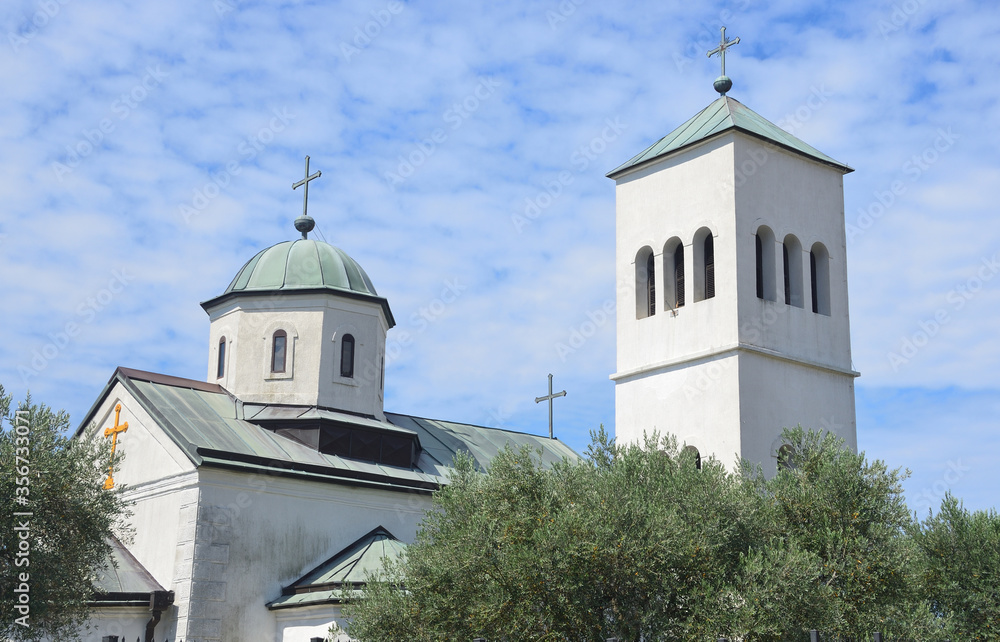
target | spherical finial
x=305, y=224
x=723, y=84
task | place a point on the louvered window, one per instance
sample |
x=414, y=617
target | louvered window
x=651, y=284
x=788, y=279
x=760, y=266
x=709, y=266
x=679, y=276
x=813, y=281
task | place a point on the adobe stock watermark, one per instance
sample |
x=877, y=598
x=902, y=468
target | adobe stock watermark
x=562, y=12
x=455, y=116
x=248, y=149
x=365, y=34
x=901, y=14
x=121, y=108
x=47, y=10
x=578, y=335
x=792, y=122
x=958, y=297
x=930, y=497
x=817, y=99
x=21, y=553
x=580, y=160
x=86, y=313
x=451, y=290
x=752, y=332
x=912, y=169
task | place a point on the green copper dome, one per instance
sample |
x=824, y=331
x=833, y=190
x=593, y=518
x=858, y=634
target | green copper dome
x=302, y=265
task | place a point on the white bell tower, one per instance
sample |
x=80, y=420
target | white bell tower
x=731, y=271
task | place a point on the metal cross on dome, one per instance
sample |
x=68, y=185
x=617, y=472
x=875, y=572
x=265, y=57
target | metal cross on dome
x=305, y=224
x=723, y=83
x=549, y=398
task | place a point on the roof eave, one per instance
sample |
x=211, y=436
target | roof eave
x=615, y=174
x=349, y=294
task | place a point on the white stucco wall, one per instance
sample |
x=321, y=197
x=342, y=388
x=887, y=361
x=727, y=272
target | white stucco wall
x=128, y=623
x=315, y=325
x=160, y=482
x=260, y=533
x=303, y=624
x=705, y=371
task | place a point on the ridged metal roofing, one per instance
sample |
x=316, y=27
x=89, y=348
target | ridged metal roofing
x=213, y=428
x=347, y=569
x=302, y=264
x=721, y=116
x=123, y=580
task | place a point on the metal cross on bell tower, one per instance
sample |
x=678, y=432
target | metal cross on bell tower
x=549, y=398
x=723, y=83
x=304, y=223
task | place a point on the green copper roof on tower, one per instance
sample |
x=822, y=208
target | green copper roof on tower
x=721, y=116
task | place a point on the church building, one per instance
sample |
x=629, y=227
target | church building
x=263, y=491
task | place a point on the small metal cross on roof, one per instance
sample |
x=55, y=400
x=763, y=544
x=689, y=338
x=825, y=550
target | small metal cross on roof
x=549, y=398
x=305, y=224
x=722, y=83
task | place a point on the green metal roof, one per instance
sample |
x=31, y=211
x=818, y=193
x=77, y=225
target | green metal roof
x=214, y=428
x=305, y=263
x=723, y=115
x=122, y=580
x=349, y=568
x=303, y=266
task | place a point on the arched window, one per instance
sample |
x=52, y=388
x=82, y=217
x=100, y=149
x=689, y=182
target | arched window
x=347, y=356
x=651, y=284
x=645, y=283
x=786, y=457
x=819, y=278
x=764, y=246
x=692, y=452
x=791, y=260
x=704, y=264
x=679, y=276
x=221, y=370
x=279, y=347
x=673, y=270
x=709, y=266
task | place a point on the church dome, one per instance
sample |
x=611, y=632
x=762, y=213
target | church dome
x=301, y=265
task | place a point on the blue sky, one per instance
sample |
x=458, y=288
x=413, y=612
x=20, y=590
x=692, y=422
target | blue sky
x=147, y=150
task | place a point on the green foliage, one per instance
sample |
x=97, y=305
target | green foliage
x=638, y=543
x=850, y=515
x=72, y=517
x=960, y=571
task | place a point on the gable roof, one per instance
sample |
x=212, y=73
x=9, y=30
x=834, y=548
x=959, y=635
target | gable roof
x=722, y=115
x=214, y=428
x=347, y=569
x=123, y=581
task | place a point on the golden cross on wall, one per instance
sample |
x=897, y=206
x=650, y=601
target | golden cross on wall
x=112, y=432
